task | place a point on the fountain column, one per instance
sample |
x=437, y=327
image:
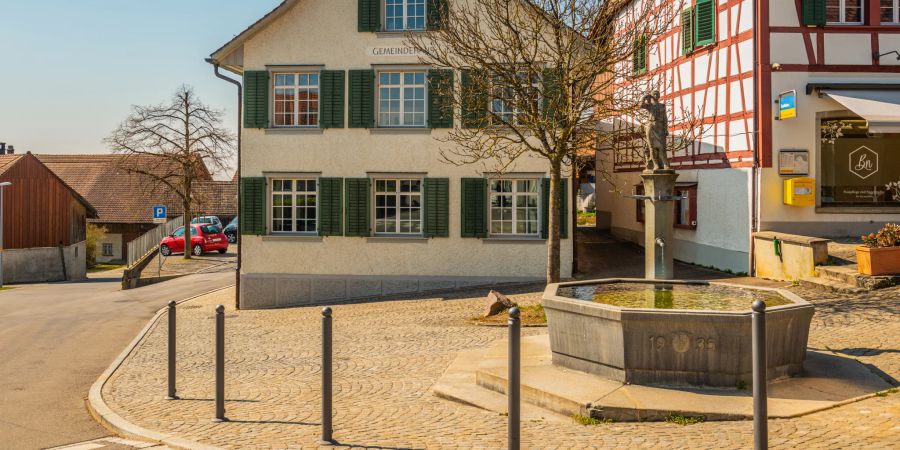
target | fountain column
x=659, y=215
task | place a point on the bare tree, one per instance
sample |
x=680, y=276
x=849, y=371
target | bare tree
x=538, y=77
x=173, y=145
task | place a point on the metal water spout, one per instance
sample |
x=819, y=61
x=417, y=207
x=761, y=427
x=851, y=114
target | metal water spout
x=661, y=242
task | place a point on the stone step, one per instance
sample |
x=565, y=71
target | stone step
x=843, y=274
x=830, y=285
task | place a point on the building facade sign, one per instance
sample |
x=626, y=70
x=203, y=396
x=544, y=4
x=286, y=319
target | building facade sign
x=787, y=105
x=398, y=50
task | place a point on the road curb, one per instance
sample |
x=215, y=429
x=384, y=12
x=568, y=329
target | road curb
x=109, y=419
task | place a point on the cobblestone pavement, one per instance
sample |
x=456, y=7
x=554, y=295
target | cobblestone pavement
x=389, y=354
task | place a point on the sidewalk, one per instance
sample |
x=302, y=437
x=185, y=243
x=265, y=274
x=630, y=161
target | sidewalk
x=388, y=355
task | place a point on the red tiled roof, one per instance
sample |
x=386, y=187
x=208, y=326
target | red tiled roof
x=121, y=196
x=7, y=161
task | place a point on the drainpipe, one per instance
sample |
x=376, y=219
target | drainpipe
x=237, y=273
x=757, y=141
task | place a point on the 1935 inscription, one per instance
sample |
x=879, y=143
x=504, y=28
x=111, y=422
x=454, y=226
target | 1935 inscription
x=682, y=342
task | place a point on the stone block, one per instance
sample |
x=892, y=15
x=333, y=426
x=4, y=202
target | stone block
x=258, y=292
x=293, y=291
x=400, y=286
x=328, y=289
x=363, y=288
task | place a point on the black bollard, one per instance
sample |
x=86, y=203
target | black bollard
x=515, y=378
x=760, y=379
x=220, y=364
x=171, y=391
x=326, y=378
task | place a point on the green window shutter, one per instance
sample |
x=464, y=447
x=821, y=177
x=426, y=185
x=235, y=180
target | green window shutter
x=639, y=63
x=437, y=207
x=357, y=204
x=553, y=93
x=330, y=207
x=440, y=98
x=253, y=206
x=474, y=102
x=369, y=16
x=473, y=202
x=563, y=210
x=256, y=99
x=687, y=31
x=331, y=102
x=814, y=13
x=362, y=99
x=705, y=31
x=437, y=13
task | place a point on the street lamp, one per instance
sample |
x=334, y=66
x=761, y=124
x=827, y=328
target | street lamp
x=2, y=185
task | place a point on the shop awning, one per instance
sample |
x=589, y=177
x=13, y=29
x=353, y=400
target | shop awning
x=881, y=108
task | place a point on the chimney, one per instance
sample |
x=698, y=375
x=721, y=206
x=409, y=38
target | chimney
x=10, y=150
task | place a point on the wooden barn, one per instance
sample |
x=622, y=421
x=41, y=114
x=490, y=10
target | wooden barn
x=44, y=223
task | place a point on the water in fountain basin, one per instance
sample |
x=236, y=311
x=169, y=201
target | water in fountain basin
x=672, y=296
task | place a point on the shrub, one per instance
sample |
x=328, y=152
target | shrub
x=887, y=236
x=93, y=235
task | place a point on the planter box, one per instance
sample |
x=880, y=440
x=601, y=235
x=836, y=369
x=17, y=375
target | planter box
x=878, y=261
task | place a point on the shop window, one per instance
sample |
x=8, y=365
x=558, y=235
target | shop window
x=858, y=168
x=685, y=208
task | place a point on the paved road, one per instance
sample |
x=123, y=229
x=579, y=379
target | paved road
x=57, y=338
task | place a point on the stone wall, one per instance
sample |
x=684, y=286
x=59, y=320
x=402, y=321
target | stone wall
x=43, y=264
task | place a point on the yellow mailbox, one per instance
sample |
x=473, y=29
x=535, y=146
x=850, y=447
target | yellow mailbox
x=800, y=191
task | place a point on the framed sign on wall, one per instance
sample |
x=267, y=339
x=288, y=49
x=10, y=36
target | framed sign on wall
x=793, y=162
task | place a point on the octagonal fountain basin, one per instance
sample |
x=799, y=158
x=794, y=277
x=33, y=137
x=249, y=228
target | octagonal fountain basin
x=672, y=332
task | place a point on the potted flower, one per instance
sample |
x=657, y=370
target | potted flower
x=880, y=252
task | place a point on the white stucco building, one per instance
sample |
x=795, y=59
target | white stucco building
x=830, y=65
x=342, y=189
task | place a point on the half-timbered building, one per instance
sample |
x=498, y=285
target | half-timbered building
x=793, y=107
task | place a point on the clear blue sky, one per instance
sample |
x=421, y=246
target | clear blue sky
x=71, y=69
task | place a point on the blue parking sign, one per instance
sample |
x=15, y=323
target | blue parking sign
x=159, y=214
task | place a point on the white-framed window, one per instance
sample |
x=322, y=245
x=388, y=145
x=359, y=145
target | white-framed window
x=514, y=206
x=107, y=249
x=296, y=99
x=294, y=205
x=398, y=205
x=844, y=11
x=401, y=99
x=404, y=15
x=890, y=12
x=504, y=104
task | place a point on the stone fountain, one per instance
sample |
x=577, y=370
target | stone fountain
x=658, y=330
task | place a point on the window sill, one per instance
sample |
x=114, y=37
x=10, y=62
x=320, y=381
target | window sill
x=298, y=130
x=395, y=34
x=396, y=239
x=292, y=237
x=519, y=239
x=400, y=130
x=857, y=210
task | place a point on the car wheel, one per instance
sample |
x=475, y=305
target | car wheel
x=198, y=250
x=232, y=239
x=165, y=250
x=222, y=251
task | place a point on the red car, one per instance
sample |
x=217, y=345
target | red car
x=205, y=238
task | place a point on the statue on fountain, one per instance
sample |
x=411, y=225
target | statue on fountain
x=656, y=130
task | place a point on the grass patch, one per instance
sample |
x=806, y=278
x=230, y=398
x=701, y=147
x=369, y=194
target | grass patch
x=585, y=420
x=104, y=267
x=885, y=393
x=6, y=288
x=530, y=315
x=587, y=218
x=684, y=420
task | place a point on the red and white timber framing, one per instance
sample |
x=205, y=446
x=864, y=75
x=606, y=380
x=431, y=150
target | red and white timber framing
x=717, y=82
x=714, y=84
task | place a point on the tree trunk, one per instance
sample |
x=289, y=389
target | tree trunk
x=554, y=222
x=186, y=204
